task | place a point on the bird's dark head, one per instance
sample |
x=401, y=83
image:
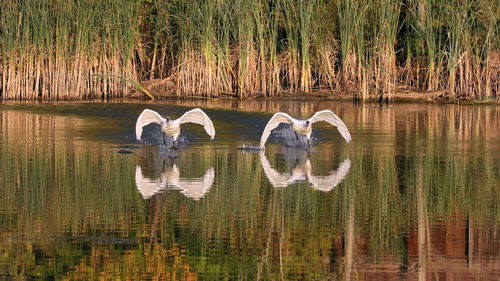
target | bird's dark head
x=168, y=119
x=307, y=122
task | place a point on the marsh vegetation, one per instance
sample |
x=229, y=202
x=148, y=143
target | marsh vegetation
x=55, y=50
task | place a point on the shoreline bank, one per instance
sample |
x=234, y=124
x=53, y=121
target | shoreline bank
x=406, y=96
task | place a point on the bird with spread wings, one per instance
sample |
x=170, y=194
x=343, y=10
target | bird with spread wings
x=172, y=127
x=304, y=127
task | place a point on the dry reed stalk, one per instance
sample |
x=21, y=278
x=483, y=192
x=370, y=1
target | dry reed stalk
x=328, y=63
x=4, y=79
x=257, y=48
x=493, y=75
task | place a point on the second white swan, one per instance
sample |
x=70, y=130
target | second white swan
x=304, y=127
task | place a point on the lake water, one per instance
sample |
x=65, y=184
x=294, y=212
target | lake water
x=415, y=195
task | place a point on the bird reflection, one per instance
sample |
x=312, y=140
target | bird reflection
x=170, y=179
x=302, y=172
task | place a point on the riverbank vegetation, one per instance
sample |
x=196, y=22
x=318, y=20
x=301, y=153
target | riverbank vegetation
x=58, y=50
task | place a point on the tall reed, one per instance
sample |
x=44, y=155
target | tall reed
x=428, y=13
x=387, y=15
x=55, y=50
x=348, y=14
x=51, y=49
x=457, y=23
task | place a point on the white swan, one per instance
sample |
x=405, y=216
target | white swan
x=302, y=172
x=171, y=127
x=194, y=188
x=304, y=127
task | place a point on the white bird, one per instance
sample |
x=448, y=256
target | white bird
x=304, y=127
x=194, y=188
x=171, y=127
x=302, y=172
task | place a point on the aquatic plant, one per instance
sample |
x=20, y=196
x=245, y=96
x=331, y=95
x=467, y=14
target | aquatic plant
x=52, y=50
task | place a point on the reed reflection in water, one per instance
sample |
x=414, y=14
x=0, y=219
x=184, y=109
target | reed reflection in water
x=420, y=199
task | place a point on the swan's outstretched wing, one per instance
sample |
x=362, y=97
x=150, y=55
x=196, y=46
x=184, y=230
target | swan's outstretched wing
x=274, y=122
x=196, y=188
x=327, y=183
x=275, y=178
x=147, y=186
x=330, y=117
x=199, y=117
x=147, y=116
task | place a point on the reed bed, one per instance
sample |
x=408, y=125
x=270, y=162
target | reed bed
x=53, y=50
x=56, y=50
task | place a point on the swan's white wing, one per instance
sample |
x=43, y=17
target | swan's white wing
x=275, y=178
x=274, y=122
x=331, y=118
x=327, y=183
x=196, y=188
x=147, y=116
x=199, y=117
x=147, y=186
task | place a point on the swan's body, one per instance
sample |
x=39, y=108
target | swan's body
x=194, y=188
x=302, y=172
x=172, y=127
x=304, y=127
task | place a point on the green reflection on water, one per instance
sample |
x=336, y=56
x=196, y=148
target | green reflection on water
x=420, y=198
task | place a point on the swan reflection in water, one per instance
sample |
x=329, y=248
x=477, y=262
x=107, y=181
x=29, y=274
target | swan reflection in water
x=170, y=179
x=302, y=172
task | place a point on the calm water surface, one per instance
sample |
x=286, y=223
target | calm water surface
x=415, y=195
